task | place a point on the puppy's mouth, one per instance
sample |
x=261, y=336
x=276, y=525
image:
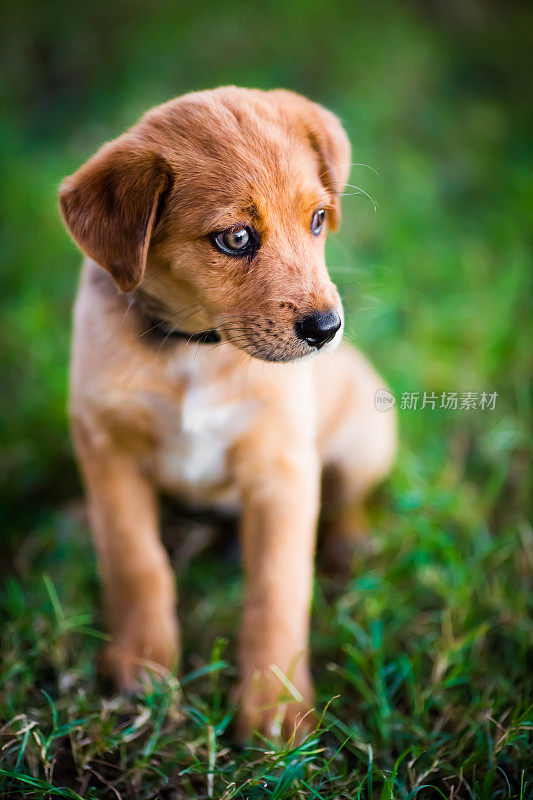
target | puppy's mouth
x=262, y=339
x=294, y=337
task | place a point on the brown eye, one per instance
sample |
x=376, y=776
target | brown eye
x=317, y=222
x=235, y=241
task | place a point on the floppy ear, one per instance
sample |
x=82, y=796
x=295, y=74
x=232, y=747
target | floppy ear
x=111, y=204
x=328, y=139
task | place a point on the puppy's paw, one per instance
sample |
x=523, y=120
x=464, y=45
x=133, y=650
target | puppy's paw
x=275, y=706
x=129, y=658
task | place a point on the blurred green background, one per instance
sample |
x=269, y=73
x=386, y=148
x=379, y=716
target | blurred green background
x=435, y=99
x=436, y=282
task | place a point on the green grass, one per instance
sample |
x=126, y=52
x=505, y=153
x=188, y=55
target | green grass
x=421, y=660
x=420, y=664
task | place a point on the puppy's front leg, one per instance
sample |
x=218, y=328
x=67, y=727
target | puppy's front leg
x=138, y=583
x=280, y=495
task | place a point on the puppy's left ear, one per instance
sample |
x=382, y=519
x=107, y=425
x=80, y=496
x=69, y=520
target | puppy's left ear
x=326, y=136
x=111, y=206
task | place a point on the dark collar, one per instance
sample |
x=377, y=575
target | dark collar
x=160, y=328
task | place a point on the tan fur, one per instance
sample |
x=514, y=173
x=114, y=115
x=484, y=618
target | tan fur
x=207, y=422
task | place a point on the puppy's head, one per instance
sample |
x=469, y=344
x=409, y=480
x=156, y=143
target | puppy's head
x=216, y=205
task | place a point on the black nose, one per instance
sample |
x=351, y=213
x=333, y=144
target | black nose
x=318, y=328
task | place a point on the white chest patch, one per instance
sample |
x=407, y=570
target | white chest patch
x=196, y=437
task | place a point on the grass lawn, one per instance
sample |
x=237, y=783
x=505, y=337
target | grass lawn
x=422, y=660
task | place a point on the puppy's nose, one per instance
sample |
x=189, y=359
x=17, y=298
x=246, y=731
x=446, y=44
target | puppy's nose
x=318, y=328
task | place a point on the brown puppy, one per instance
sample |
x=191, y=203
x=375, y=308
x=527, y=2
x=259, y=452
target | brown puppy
x=207, y=221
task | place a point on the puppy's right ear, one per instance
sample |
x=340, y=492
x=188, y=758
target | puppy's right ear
x=111, y=206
